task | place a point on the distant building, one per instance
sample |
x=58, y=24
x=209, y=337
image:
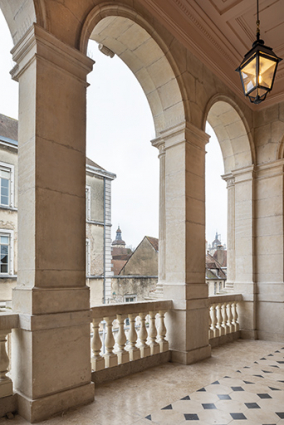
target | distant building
x=216, y=245
x=215, y=276
x=120, y=254
x=98, y=218
x=144, y=260
x=135, y=274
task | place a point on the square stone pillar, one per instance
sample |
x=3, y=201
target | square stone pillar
x=244, y=241
x=188, y=322
x=51, y=349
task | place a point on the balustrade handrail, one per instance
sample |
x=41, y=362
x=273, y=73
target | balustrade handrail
x=100, y=311
x=225, y=298
x=8, y=321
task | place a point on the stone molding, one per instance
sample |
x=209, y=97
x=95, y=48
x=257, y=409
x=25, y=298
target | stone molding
x=53, y=321
x=183, y=132
x=244, y=174
x=272, y=169
x=38, y=43
x=229, y=179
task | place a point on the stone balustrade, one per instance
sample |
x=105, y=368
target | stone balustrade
x=132, y=331
x=223, y=318
x=8, y=321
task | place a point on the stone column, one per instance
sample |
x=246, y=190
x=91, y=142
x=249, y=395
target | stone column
x=229, y=178
x=245, y=249
x=159, y=143
x=188, y=322
x=51, y=349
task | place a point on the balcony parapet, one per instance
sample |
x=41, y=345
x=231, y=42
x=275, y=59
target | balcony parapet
x=128, y=338
x=223, y=318
x=8, y=321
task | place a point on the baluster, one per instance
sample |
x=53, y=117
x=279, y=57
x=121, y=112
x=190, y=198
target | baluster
x=122, y=355
x=224, y=316
x=162, y=330
x=110, y=356
x=144, y=348
x=134, y=352
x=235, y=316
x=211, y=329
x=98, y=362
x=214, y=320
x=229, y=316
x=6, y=385
x=152, y=333
x=219, y=320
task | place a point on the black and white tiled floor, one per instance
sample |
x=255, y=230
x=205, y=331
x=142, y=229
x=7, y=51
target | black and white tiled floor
x=252, y=395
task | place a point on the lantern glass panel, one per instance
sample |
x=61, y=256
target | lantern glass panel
x=258, y=92
x=266, y=71
x=249, y=75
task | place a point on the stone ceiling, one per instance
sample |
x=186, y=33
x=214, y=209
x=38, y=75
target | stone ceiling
x=220, y=32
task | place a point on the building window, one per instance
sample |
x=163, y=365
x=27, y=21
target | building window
x=88, y=202
x=6, y=252
x=130, y=298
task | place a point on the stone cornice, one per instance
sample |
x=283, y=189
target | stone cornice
x=38, y=43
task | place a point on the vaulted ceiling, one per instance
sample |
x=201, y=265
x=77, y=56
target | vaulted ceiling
x=220, y=32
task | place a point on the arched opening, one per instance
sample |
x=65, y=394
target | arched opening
x=235, y=143
x=8, y=168
x=143, y=52
x=216, y=215
x=130, y=42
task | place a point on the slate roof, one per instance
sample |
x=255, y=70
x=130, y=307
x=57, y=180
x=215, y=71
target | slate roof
x=93, y=164
x=213, y=268
x=8, y=129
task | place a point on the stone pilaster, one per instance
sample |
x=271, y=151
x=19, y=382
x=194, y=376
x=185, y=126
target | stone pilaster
x=51, y=348
x=229, y=178
x=159, y=143
x=187, y=323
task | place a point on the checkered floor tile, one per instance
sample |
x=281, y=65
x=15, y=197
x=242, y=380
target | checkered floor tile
x=252, y=395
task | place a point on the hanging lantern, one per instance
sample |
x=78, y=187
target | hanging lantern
x=258, y=69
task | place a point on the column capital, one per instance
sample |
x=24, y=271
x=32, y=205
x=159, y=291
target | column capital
x=40, y=44
x=159, y=143
x=229, y=179
x=184, y=132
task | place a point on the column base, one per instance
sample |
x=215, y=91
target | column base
x=193, y=356
x=43, y=408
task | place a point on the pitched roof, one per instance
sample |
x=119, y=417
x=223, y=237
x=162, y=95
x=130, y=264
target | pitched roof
x=117, y=265
x=8, y=127
x=213, y=268
x=93, y=164
x=154, y=242
x=221, y=256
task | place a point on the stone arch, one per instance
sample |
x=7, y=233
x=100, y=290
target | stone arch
x=131, y=37
x=232, y=131
x=20, y=15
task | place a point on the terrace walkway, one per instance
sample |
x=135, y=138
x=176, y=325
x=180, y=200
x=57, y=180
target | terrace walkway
x=251, y=393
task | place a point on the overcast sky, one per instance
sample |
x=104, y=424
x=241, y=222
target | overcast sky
x=119, y=130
